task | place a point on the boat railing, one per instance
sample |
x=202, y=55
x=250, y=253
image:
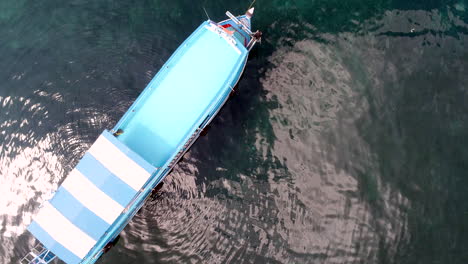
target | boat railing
x=38, y=255
x=238, y=22
x=255, y=36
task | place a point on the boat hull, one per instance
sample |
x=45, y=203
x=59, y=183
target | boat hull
x=124, y=165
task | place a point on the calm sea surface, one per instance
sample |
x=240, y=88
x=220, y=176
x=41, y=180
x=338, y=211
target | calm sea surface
x=346, y=143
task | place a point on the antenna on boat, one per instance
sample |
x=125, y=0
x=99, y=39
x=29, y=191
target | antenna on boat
x=206, y=13
x=251, y=4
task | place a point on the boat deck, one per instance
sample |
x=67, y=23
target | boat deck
x=199, y=72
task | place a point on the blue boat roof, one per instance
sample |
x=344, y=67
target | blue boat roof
x=91, y=198
x=197, y=75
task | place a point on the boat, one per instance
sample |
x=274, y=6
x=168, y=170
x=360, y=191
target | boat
x=117, y=174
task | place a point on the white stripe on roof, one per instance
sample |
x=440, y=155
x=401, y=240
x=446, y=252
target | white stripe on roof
x=118, y=163
x=63, y=231
x=92, y=197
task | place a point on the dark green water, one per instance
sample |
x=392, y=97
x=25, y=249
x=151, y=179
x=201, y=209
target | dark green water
x=346, y=143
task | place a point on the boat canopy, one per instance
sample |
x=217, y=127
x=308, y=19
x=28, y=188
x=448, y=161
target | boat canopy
x=90, y=200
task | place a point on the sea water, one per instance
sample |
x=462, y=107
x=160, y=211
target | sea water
x=346, y=141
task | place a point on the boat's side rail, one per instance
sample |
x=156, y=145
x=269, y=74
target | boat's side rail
x=239, y=23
